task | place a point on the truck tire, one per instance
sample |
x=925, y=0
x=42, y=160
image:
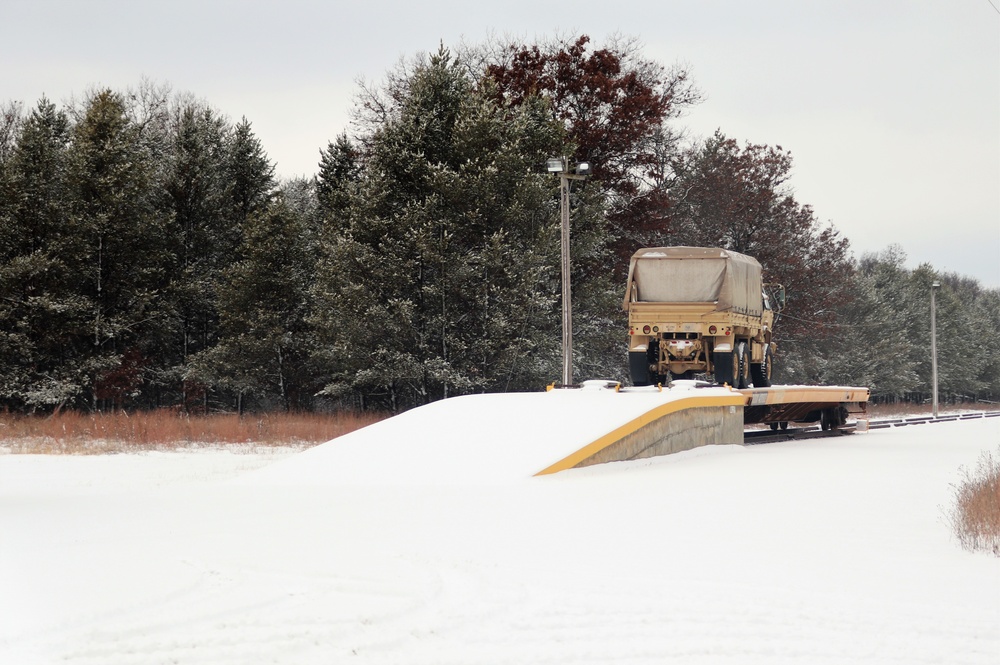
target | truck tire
x=742, y=366
x=760, y=373
x=726, y=367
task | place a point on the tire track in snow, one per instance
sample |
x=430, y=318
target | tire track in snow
x=229, y=615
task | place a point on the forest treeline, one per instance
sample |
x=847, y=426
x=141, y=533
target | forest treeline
x=149, y=256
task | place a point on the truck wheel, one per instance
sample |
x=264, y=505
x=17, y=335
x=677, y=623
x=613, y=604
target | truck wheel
x=726, y=367
x=760, y=372
x=742, y=366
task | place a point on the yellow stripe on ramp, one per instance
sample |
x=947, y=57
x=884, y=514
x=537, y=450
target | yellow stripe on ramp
x=736, y=399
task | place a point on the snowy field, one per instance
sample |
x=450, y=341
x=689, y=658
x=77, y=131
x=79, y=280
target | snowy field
x=822, y=551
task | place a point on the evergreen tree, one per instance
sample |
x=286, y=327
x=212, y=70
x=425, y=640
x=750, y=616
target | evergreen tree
x=985, y=316
x=250, y=175
x=871, y=344
x=42, y=316
x=339, y=169
x=35, y=182
x=119, y=252
x=439, y=275
x=883, y=335
x=201, y=240
x=10, y=124
x=265, y=343
x=960, y=358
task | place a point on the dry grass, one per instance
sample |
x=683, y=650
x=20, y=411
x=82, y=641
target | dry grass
x=99, y=433
x=975, y=517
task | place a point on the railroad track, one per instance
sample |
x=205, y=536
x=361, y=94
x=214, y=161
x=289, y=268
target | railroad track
x=758, y=436
x=754, y=437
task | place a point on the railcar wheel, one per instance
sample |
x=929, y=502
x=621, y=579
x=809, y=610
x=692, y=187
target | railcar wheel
x=833, y=418
x=830, y=419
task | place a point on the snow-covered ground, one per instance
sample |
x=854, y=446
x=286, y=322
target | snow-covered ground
x=822, y=551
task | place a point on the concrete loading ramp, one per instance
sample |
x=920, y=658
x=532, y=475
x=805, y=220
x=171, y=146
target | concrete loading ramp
x=505, y=437
x=686, y=419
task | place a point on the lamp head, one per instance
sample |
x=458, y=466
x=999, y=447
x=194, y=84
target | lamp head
x=555, y=165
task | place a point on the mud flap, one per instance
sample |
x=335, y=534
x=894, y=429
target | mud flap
x=723, y=361
x=638, y=368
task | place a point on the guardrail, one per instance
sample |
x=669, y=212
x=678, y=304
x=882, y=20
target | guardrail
x=924, y=420
x=813, y=432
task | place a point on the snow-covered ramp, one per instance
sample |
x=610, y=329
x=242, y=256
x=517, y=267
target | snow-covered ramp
x=503, y=437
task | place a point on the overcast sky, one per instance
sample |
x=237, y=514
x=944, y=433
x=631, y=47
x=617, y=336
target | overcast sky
x=891, y=108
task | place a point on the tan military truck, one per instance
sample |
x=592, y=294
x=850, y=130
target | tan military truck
x=698, y=310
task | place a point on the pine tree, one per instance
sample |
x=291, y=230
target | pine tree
x=871, y=343
x=960, y=356
x=986, y=316
x=119, y=253
x=883, y=334
x=439, y=276
x=201, y=242
x=339, y=170
x=250, y=175
x=10, y=127
x=42, y=317
x=265, y=342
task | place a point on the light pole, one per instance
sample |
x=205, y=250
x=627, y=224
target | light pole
x=934, y=377
x=560, y=165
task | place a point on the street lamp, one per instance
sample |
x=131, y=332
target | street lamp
x=934, y=374
x=560, y=165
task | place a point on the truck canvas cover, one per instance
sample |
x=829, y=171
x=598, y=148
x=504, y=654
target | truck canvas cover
x=696, y=274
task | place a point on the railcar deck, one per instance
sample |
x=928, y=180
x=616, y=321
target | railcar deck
x=828, y=405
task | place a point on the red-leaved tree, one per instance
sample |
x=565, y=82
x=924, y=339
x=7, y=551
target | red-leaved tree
x=737, y=198
x=615, y=106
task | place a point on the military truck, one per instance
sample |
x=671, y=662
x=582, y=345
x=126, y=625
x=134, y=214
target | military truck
x=699, y=310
